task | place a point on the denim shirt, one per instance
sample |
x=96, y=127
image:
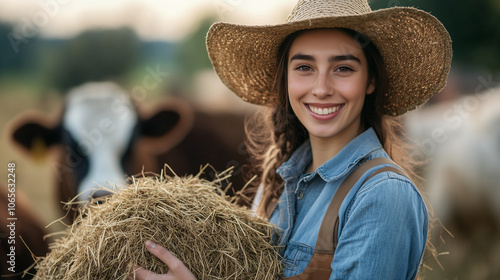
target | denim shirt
x=382, y=223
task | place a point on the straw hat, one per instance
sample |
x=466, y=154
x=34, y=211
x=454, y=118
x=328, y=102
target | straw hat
x=415, y=47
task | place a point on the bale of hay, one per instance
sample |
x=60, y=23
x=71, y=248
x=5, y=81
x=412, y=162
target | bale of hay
x=214, y=237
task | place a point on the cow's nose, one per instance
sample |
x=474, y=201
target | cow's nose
x=101, y=193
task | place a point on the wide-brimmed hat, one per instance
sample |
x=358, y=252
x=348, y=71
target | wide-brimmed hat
x=414, y=45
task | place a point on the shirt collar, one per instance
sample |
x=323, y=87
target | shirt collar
x=340, y=165
x=297, y=163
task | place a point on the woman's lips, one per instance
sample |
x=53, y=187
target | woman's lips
x=322, y=110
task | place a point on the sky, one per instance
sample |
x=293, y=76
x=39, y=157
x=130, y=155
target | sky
x=151, y=19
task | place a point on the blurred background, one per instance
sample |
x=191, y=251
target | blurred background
x=155, y=51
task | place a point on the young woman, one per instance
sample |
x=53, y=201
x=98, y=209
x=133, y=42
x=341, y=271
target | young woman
x=333, y=77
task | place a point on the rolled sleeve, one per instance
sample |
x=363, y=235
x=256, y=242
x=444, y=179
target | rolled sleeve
x=384, y=232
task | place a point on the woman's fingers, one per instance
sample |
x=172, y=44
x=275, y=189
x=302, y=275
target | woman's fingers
x=163, y=254
x=139, y=273
x=176, y=268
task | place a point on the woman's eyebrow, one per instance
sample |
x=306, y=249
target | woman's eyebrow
x=343, y=57
x=335, y=58
x=300, y=56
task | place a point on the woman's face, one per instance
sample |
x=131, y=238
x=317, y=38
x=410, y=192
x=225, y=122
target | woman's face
x=327, y=83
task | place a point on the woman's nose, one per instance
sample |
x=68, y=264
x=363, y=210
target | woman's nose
x=322, y=87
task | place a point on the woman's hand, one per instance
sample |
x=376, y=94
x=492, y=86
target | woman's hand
x=176, y=269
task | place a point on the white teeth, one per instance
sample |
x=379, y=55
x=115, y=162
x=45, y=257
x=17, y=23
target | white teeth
x=324, y=111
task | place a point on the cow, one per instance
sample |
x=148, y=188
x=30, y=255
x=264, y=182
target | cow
x=461, y=140
x=102, y=136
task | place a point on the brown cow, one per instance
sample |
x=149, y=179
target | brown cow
x=101, y=137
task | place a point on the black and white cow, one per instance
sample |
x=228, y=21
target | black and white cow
x=101, y=137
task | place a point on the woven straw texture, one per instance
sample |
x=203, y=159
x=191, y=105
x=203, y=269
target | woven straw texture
x=415, y=47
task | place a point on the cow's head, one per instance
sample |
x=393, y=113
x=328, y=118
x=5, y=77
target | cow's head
x=101, y=136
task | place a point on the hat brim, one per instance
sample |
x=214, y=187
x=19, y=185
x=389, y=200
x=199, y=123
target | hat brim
x=415, y=47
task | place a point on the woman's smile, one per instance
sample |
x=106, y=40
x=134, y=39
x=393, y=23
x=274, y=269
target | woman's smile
x=324, y=111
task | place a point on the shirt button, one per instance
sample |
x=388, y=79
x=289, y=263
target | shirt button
x=300, y=195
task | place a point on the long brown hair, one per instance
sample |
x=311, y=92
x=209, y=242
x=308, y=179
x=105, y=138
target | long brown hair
x=275, y=133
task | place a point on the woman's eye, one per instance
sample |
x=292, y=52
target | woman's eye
x=344, y=69
x=304, y=68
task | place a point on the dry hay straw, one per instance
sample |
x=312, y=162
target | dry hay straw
x=191, y=217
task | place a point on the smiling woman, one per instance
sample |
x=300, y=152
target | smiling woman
x=329, y=123
x=328, y=80
x=334, y=77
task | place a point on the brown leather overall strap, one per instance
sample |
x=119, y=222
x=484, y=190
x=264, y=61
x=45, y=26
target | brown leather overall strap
x=320, y=265
x=330, y=221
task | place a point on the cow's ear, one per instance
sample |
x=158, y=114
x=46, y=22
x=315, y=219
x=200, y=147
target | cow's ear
x=34, y=133
x=165, y=125
x=161, y=123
